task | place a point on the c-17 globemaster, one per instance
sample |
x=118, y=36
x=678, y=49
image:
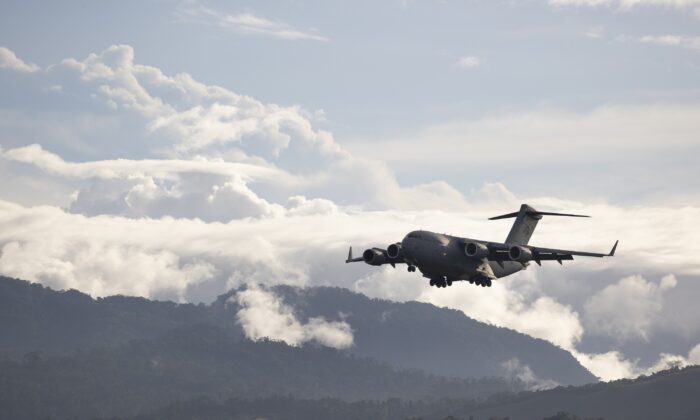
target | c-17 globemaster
x=444, y=258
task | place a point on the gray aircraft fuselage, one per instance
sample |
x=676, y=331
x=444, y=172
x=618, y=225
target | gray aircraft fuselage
x=437, y=255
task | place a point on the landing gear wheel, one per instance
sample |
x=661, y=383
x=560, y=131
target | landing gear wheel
x=432, y=282
x=488, y=282
x=449, y=282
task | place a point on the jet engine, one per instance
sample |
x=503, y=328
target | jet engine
x=519, y=253
x=374, y=256
x=476, y=250
x=394, y=251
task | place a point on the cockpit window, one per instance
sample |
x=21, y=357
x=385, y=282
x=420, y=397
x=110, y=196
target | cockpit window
x=414, y=235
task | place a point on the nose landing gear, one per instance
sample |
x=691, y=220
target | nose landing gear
x=411, y=268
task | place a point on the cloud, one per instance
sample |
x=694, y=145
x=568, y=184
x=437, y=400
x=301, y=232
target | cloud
x=208, y=129
x=524, y=373
x=595, y=32
x=469, y=61
x=265, y=315
x=626, y=4
x=8, y=60
x=690, y=42
x=627, y=309
x=548, y=136
x=244, y=23
x=186, y=116
x=525, y=148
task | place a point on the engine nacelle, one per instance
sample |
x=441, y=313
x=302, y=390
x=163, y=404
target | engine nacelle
x=394, y=251
x=476, y=250
x=374, y=256
x=519, y=254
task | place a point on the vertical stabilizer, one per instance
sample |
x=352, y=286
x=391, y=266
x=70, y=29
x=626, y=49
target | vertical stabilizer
x=524, y=225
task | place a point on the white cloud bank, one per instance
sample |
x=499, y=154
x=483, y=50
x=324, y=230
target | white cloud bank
x=265, y=315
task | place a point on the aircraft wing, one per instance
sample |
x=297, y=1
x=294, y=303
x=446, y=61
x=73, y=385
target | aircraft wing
x=500, y=253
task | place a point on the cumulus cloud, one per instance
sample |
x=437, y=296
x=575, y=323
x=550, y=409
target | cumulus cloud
x=189, y=115
x=245, y=23
x=627, y=309
x=208, y=129
x=265, y=315
x=8, y=60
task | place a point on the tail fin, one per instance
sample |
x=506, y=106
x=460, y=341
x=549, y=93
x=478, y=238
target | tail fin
x=525, y=222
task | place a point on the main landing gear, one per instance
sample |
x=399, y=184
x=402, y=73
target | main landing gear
x=441, y=282
x=483, y=282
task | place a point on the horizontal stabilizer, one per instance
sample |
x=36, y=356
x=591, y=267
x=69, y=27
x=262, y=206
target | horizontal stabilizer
x=536, y=214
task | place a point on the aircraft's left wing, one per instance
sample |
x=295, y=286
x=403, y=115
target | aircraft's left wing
x=503, y=252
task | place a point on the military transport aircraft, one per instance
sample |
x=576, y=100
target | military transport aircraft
x=444, y=258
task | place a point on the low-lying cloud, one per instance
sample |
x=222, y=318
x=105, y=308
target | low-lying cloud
x=263, y=315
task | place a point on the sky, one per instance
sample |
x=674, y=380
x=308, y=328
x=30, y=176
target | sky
x=177, y=149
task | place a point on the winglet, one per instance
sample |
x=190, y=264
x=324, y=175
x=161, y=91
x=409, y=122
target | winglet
x=612, y=251
x=351, y=259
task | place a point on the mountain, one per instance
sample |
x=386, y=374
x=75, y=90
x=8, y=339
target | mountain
x=438, y=340
x=669, y=395
x=196, y=361
x=405, y=335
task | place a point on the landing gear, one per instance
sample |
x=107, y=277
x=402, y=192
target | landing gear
x=440, y=282
x=483, y=282
x=412, y=269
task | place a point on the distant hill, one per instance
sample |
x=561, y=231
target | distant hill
x=669, y=395
x=437, y=340
x=406, y=335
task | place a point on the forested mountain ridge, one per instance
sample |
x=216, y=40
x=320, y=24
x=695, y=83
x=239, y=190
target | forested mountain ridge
x=205, y=361
x=67, y=355
x=408, y=335
x=668, y=395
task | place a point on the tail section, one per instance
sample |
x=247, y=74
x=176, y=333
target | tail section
x=525, y=222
